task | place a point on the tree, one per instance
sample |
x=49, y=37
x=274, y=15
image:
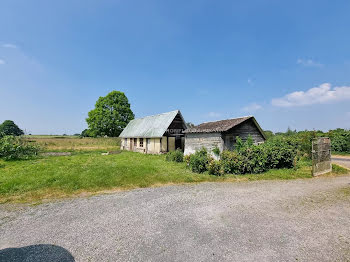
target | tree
x=268, y=134
x=190, y=124
x=9, y=128
x=111, y=115
x=87, y=133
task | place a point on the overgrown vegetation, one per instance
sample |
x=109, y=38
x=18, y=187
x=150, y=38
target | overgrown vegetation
x=340, y=139
x=14, y=148
x=247, y=158
x=175, y=156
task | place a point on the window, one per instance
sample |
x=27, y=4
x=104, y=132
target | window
x=125, y=142
x=141, y=142
x=135, y=141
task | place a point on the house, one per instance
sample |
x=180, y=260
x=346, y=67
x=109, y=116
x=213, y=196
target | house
x=155, y=134
x=222, y=134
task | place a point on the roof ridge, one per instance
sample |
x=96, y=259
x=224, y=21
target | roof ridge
x=226, y=119
x=157, y=114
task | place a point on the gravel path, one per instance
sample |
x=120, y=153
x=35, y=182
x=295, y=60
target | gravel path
x=297, y=220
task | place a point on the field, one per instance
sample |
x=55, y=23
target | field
x=74, y=143
x=87, y=172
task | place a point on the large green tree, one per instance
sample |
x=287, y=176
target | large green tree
x=9, y=128
x=111, y=115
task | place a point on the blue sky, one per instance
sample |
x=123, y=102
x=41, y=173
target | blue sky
x=285, y=62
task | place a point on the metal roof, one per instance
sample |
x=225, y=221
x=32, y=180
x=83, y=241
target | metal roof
x=149, y=126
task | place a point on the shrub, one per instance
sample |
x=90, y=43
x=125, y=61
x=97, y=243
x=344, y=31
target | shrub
x=175, y=156
x=198, y=161
x=275, y=153
x=216, y=151
x=214, y=167
x=280, y=154
x=231, y=162
x=187, y=159
x=12, y=148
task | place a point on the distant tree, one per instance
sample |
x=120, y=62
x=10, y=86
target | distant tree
x=268, y=134
x=87, y=133
x=8, y=127
x=190, y=124
x=290, y=132
x=111, y=115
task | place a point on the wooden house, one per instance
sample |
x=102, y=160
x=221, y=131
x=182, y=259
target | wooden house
x=154, y=134
x=222, y=134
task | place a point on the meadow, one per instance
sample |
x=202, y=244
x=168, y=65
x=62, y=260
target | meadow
x=74, y=143
x=87, y=172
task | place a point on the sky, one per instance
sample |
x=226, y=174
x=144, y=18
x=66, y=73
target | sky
x=285, y=62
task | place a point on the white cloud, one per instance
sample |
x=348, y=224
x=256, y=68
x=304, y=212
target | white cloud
x=9, y=46
x=2, y=62
x=308, y=63
x=316, y=95
x=252, y=107
x=213, y=114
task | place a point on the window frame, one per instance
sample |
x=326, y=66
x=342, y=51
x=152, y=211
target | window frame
x=141, y=142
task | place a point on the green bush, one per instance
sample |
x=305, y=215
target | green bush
x=175, y=156
x=199, y=160
x=249, y=158
x=13, y=148
x=231, y=162
x=214, y=167
x=216, y=151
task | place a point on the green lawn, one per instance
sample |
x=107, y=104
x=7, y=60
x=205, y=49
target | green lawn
x=90, y=172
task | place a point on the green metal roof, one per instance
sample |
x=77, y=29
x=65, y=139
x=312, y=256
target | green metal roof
x=149, y=126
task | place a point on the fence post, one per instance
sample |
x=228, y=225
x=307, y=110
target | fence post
x=321, y=156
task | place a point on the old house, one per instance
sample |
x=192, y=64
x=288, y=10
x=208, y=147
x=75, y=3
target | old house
x=222, y=134
x=154, y=134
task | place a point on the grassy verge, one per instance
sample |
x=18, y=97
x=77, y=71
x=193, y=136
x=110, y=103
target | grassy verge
x=340, y=154
x=90, y=172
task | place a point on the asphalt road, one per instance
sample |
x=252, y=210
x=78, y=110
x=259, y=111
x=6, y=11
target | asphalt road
x=297, y=220
x=342, y=160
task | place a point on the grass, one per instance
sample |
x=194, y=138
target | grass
x=90, y=172
x=74, y=143
x=340, y=154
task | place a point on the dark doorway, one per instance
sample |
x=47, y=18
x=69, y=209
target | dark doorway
x=178, y=142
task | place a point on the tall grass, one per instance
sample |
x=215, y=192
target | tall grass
x=73, y=143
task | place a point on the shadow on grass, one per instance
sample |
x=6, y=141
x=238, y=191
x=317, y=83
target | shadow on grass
x=37, y=253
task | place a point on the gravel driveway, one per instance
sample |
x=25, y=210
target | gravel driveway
x=299, y=220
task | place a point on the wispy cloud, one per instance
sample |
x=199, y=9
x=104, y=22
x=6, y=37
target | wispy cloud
x=2, y=62
x=308, y=63
x=316, y=95
x=253, y=107
x=8, y=45
x=213, y=114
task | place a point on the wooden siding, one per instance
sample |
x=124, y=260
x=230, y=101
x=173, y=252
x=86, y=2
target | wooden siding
x=243, y=131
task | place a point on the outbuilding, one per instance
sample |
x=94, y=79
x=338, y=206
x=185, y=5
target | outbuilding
x=222, y=134
x=155, y=134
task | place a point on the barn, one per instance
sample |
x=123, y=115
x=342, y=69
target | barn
x=222, y=134
x=154, y=134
